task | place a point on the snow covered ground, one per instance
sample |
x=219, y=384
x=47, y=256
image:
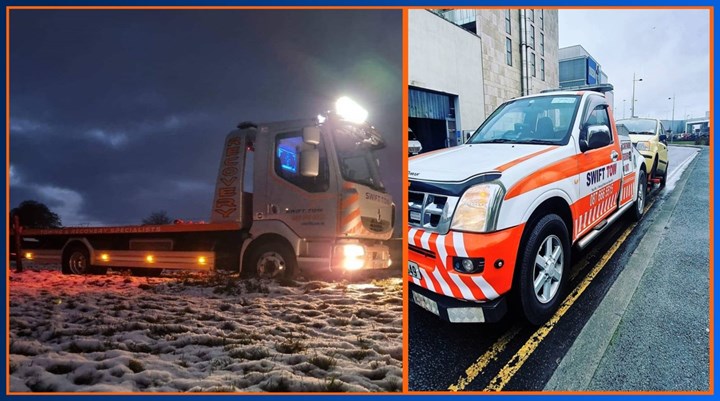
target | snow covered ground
x=202, y=332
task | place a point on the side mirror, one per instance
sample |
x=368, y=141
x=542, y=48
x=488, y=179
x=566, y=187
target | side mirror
x=583, y=145
x=311, y=135
x=598, y=136
x=310, y=162
x=663, y=138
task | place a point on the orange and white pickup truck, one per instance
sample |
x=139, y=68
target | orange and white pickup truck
x=494, y=220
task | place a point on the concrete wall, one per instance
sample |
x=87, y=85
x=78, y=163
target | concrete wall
x=503, y=82
x=446, y=58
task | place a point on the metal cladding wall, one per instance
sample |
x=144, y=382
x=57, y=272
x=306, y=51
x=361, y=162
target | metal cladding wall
x=446, y=59
x=424, y=104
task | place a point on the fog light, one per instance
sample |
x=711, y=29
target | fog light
x=468, y=265
x=28, y=255
x=149, y=258
x=202, y=260
x=104, y=257
x=499, y=263
x=352, y=256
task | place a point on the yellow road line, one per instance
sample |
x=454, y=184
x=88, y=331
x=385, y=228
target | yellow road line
x=517, y=360
x=490, y=355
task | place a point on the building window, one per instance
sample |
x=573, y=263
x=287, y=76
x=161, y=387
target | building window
x=508, y=51
x=542, y=19
x=532, y=37
x=531, y=14
x=532, y=64
x=542, y=44
x=508, y=27
x=542, y=69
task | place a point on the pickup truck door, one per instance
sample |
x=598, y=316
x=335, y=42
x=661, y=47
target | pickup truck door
x=601, y=166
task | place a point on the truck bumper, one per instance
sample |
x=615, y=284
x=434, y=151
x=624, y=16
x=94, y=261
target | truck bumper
x=455, y=311
x=432, y=257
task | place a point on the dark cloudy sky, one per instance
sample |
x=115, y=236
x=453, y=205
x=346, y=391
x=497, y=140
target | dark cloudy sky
x=115, y=114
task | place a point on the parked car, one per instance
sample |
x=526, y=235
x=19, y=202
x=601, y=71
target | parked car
x=648, y=136
x=414, y=146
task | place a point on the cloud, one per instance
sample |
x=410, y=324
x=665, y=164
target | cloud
x=14, y=176
x=68, y=204
x=114, y=140
x=25, y=126
x=668, y=49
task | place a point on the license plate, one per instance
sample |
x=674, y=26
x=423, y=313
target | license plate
x=415, y=216
x=425, y=303
x=414, y=270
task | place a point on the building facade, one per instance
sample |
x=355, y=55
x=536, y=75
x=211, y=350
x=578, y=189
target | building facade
x=464, y=63
x=578, y=68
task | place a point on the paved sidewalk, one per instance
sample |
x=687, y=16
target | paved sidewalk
x=651, y=331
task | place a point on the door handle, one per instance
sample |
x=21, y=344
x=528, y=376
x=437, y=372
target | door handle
x=614, y=155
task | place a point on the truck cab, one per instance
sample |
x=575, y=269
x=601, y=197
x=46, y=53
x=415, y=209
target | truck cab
x=319, y=192
x=497, y=217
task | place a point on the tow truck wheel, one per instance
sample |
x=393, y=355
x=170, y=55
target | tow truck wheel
x=653, y=174
x=77, y=261
x=544, y=269
x=664, y=176
x=639, y=207
x=271, y=260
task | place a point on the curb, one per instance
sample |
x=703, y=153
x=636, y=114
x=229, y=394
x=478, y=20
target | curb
x=577, y=368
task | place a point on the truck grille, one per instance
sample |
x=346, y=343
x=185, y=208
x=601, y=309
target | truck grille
x=430, y=212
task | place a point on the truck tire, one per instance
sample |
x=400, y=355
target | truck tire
x=639, y=206
x=544, y=268
x=663, y=179
x=270, y=260
x=76, y=260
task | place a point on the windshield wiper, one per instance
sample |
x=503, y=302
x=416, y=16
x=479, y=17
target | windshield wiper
x=498, y=140
x=542, y=141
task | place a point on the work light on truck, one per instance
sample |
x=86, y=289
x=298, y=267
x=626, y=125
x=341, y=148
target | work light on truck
x=478, y=208
x=350, y=111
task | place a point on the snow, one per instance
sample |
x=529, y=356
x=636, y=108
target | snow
x=202, y=332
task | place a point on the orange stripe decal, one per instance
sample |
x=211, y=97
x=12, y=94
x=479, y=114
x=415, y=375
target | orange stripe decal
x=562, y=169
x=522, y=159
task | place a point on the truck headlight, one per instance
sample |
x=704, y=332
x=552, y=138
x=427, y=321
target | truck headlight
x=643, y=146
x=478, y=208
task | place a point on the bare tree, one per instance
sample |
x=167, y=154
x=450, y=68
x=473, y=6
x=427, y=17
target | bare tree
x=158, y=218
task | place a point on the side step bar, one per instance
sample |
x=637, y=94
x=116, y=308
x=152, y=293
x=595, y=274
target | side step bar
x=586, y=240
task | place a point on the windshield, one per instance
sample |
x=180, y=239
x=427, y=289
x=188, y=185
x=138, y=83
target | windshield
x=358, y=161
x=544, y=119
x=638, y=126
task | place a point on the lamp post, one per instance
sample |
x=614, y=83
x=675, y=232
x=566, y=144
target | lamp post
x=672, y=119
x=632, y=103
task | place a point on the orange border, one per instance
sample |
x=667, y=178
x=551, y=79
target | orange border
x=712, y=199
x=710, y=390
x=404, y=200
x=7, y=188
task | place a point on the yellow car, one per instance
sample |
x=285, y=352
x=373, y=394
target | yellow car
x=649, y=138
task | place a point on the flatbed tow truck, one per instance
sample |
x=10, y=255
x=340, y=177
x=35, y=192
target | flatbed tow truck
x=290, y=197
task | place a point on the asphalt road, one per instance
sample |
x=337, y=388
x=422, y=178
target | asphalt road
x=512, y=356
